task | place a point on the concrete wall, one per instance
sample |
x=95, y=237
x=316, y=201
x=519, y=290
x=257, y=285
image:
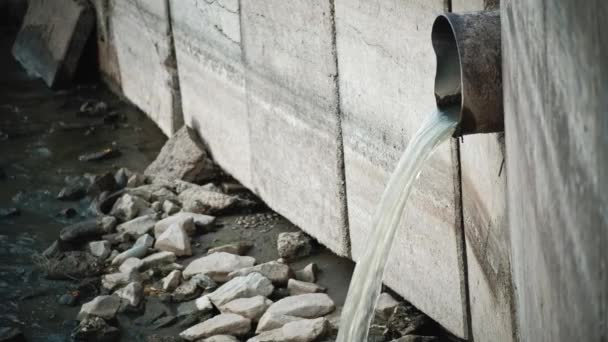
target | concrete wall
x=555, y=80
x=310, y=104
x=488, y=248
x=140, y=45
x=387, y=68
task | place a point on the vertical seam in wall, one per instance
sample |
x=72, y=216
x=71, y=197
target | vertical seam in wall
x=177, y=120
x=341, y=163
x=245, y=71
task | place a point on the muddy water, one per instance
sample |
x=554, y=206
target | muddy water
x=37, y=153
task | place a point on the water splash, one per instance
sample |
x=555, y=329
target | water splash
x=366, y=282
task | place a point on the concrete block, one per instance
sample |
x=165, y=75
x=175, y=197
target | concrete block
x=52, y=38
x=207, y=40
x=106, y=48
x=387, y=70
x=292, y=99
x=141, y=37
x=555, y=130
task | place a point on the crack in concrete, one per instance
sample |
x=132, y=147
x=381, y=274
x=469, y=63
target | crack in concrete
x=219, y=4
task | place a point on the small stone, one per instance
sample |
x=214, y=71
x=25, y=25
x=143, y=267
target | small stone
x=222, y=324
x=221, y=338
x=171, y=281
x=121, y=177
x=311, y=305
x=271, y=321
x=72, y=192
x=114, y=280
x=238, y=248
x=200, y=305
x=278, y=273
x=139, y=249
x=204, y=282
x=170, y=207
x=136, y=180
x=106, y=153
x=137, y=227
x=303, y=330
x=186, y=291
x=133, y=293
x=416, y=338
x=68, y=299
x=201, y=201
x=297, y=287
x=82, y=231
x=175, y=240
x=251, y=285
x=108, y=223
x=308, y=273
x=293, y=245
x=9, y=212
x=157, y=207
x=68, y=212
x=105, y=307
x=129, y=207
x=102, y=183
x=95, y=329
x=183, y=157
x=73, y=264
x=198, y=220
x=131, y=265
x=252, y=308
x=100, y=249
x=218, y=265
x=159, y=259
x=385, y=306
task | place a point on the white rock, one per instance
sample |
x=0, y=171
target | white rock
x=138, y=226
x=172, y=280
x=130, y=265
x=204, y=282
x=221, y=324
x=158, y=259
x=271, y=321
x=199, y=220
x=139, y=250
x=297, y=287
x=218, y=265
x=305, y=330
x=277, y=272
x=100, y=249
x=238, y=248
x=108, y=223
x=128, y=207
x=311, y=305
x=201, y=201
x=200, y=305
x=136, y=180
x=251, y=285
x=133, y=293
x=170, y=208
x=293, y=245
x=252, y=308
x=385, y=305
x=114, y=280
x=221, y=338
x=175, y=240
x=203, y=304
x=105, y=307
x=308, y=273
x=186, y=291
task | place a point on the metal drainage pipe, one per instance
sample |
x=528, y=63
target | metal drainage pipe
x=468, y=82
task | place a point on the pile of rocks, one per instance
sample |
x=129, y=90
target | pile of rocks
x=140, y=248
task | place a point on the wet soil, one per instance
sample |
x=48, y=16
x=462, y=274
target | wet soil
x=41, y=139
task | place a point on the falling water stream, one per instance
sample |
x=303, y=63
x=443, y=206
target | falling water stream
x=366, y=282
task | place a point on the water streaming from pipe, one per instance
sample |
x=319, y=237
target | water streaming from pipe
x=366, y=282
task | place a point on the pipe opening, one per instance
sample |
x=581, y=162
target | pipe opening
x=448, y=79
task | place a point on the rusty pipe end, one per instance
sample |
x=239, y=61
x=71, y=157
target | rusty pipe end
x=468, y=81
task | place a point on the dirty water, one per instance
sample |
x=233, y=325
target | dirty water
x=41, y=139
